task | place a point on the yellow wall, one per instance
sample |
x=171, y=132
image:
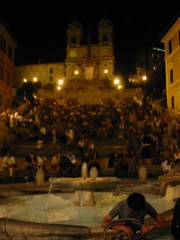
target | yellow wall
x=173, y=62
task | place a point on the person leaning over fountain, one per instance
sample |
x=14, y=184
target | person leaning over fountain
x=175, y=228
x=134, y=207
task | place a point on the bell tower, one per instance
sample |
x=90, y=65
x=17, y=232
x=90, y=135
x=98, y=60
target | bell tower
x=105, y=30
x=74, y=33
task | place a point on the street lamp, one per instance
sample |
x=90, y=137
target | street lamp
x=144, y=78
x=116, y=83
x=35, y=79
x=59, y=84
x=76, y=73
x=105, y=73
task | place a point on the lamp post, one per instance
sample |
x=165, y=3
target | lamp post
x=105, y=73
x=116, y=83
x=144, y=79
x=59, y=84
x=76, y=73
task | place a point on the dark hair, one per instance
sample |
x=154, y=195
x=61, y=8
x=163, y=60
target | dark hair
x=136, y=201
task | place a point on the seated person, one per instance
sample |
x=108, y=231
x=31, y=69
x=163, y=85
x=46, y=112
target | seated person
x=94, y=160
x=9, y=163
x=41, y=160
x=113, y=159
x=55, y=160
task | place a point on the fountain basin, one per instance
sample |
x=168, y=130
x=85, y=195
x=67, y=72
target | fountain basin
x=16, y=229
x=54, y=216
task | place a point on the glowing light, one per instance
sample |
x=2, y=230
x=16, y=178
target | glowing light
x=119, y=86
x=144, y=78
x=60, y=82
x=116, y=81
x=105, y=71
x=35, y=79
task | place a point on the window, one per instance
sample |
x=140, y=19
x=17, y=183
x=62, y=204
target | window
x=10, y=52
x=171, y=76
x=0, y=100
x=9, y=78
x=3, y=44
x=7, y=103
x=105, y=37
x=50, y=78
x=51, y=70
x=1, y=73
x=170, y=46
x=172, y=102
x=73, y=40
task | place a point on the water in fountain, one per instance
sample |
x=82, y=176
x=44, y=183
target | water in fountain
x=60, y=208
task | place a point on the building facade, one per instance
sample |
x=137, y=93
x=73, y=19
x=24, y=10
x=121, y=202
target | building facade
x=7, y=46
x=87, y=72
x=48, y=73
x=171, y=40
x=91, y=62
x=148, y=61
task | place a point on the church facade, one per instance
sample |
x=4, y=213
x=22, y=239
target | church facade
x=91, y=62
x=87, y=74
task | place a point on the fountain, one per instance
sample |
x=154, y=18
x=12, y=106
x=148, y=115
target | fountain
x=54, y=216
x=59, y=215
x=170, y=183
x=84, y=186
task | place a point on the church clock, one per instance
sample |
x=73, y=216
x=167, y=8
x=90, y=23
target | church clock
x=72, y=54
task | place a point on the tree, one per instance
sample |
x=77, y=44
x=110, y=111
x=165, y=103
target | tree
x=28, y=90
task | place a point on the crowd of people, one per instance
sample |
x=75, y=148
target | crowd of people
x=146, y=132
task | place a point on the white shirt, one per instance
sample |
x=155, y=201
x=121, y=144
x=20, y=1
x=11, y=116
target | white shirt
x=8, y=160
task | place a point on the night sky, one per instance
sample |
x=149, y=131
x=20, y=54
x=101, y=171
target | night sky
x=40, y=30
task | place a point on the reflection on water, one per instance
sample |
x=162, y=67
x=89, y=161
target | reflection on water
x=59, y=208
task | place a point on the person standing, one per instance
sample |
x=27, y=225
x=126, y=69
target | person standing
x=134, y=207
x=31, y=165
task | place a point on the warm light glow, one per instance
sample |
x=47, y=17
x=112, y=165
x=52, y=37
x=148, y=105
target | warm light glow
x=119, y=86
x=25, y=80
x=144, y=78
x=76, y=72
x=35, y=79
x=60, y=82
x=105, y=71
x=58, y=88
x=116, y=81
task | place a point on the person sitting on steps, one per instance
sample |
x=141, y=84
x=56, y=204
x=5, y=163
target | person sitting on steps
x=9, y=163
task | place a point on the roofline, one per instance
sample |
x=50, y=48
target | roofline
x=2, y=21
x=169, y=25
